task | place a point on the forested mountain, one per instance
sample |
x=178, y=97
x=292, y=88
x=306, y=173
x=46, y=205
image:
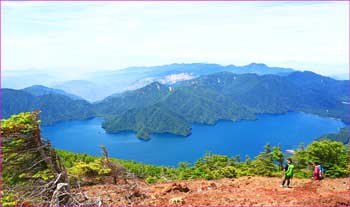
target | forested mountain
x=139, y=98
x=54, y=107
x=207, y=99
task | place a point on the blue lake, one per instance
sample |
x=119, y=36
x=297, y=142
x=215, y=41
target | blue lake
x=228, y=138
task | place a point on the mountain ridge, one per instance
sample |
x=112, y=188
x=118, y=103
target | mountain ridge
x=39, y=90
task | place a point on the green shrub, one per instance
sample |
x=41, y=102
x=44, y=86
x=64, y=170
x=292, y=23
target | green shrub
x=82, y=169
x=228, y=172
x=8, y=199
x=212, y=166
x=335, y=171
x=151, y=179
x=303, y=173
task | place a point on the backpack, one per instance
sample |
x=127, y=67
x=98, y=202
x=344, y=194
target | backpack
x=322, y=170
x=290, y=170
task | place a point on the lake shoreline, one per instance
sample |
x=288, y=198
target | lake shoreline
x=217, y=122
x=244, y=137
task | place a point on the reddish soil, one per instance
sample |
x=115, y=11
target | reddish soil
x=247, y=191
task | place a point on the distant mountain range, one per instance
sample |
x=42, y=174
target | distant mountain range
x=97, y=86
x=174, y=107
x=136, y=77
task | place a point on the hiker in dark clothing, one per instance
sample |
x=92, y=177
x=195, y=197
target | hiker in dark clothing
x=289, y=168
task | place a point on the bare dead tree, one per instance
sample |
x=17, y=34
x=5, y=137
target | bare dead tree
x=117, y=170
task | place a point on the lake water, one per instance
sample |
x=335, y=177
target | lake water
x=229, y=138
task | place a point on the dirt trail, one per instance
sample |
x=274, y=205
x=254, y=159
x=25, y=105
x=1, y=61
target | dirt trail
x=251, y=191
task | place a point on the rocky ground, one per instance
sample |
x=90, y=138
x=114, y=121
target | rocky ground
x=251, y=191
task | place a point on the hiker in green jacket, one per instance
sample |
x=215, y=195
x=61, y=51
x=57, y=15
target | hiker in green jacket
x=288, y=174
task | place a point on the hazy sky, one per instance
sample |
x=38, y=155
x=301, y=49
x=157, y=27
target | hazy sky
x=85, y=36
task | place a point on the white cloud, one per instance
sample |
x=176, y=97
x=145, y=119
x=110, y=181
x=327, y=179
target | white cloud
x=111, y=35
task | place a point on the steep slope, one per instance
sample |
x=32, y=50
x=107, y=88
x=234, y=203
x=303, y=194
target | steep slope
x=54, y=107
